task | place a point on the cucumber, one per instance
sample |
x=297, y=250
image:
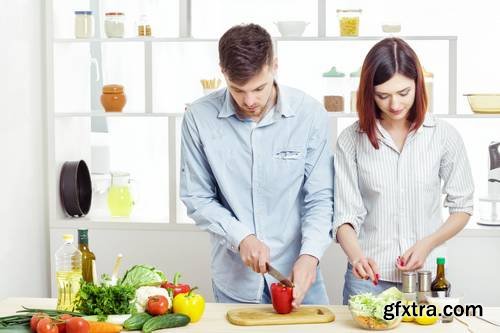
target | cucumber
x=165, y=321
x=136, y=321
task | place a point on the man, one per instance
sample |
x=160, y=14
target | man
x=257, y=174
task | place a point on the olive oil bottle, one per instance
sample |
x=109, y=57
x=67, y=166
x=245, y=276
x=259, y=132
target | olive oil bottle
x=68, y=274
x=440, y=287
x=88, y=256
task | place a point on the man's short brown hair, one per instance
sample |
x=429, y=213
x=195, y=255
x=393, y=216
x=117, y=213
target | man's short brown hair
x=244, y=50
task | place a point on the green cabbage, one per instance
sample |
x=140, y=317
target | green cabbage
x=370, y=305
x=143, y=275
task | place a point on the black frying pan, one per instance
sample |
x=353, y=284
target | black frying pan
x=75, y=188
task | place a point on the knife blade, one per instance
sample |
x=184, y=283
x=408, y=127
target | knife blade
x=278, y=276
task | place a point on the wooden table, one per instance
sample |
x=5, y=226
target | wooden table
x=214, y=320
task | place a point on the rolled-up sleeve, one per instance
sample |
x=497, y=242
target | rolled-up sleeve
x=349, y=207
x=198, y=190
x=455, y=171
x=318, y=189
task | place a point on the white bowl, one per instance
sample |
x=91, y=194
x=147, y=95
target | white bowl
x=391, y=27
x=291, y=28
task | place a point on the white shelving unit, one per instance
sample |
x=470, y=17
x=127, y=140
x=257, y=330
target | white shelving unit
x=172, y=116
x=163, y=241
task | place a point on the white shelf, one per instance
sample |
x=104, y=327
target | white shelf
x=472, y=229
x=468, y=115
x=437, y=115
x=278, y=39
x=123, y=224
x=118, y=114
x=133, y=39
x=181, y=114
x=361, y=38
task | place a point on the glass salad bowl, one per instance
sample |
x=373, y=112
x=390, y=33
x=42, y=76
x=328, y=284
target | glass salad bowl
x=367, y=310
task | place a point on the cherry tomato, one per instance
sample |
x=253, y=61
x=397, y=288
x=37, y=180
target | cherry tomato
x=77, y=325
x=157, y=305
x=61, y=324
x=35, y=319
x=46, y=325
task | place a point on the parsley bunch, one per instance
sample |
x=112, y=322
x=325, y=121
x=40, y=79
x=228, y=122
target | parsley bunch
x=103, y=299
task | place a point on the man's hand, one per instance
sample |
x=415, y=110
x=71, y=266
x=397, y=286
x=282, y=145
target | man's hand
x=303, y=276
x=254, y=254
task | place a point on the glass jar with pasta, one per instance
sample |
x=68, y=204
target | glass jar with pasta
x=349, y=22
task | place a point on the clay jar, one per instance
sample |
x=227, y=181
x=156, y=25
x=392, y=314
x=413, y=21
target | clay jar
x=113, y=99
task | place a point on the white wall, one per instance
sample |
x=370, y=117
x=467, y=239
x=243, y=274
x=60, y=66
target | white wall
x=24, y=255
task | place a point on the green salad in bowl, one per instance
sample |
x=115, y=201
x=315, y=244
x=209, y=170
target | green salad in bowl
x=369, y=311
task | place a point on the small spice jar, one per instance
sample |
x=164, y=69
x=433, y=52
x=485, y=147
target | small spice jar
x=349, y=22
x=114, y=24
x=424, y=286
x=144, y=27
x=334, y=90
x=84, y=24
x=113, y=99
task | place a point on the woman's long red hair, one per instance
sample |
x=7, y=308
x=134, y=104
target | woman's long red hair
x=383, y=61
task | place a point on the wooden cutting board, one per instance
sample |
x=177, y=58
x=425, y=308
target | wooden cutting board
x=267, y=316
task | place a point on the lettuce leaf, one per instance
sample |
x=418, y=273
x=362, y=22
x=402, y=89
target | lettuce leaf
x=142, y=275
x=370, y=305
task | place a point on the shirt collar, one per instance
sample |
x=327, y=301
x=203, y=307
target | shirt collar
x=429, y=121
x=282, y=105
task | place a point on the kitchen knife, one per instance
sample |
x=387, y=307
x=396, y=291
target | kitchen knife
x=278, y=276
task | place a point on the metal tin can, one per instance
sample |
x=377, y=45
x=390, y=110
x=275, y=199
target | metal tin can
x=424, y=286
x=409, y=280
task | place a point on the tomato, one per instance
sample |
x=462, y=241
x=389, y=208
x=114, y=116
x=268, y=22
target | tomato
x=35, y=319
x=46, y=325
x=61, y=324
x=77, y=325
x=157, y=305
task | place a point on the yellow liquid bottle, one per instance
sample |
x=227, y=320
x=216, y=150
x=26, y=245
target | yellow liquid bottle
x=87, y=256
x=120, y=200
x=68, y=274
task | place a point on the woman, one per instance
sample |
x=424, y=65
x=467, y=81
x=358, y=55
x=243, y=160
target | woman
x=390, y=169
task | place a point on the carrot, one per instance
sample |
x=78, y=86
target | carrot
x=102, y=327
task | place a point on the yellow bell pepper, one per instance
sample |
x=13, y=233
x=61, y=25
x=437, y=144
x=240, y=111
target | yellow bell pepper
x=190, y=304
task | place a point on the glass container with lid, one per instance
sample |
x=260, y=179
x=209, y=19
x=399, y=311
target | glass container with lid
x=84, y=24
x=334, y=83
x=114, y=24
x=349, y=22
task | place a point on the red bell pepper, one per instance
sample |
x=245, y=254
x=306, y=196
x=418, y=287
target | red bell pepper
x=176, y=288
x=282, y=297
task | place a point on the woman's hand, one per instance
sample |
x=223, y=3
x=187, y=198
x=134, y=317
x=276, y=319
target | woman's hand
x=414, y=257
x=365, y=268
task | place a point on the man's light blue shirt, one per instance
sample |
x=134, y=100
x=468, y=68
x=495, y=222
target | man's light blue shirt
x=273, y=179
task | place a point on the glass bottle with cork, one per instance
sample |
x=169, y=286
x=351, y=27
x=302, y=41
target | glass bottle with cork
x=88, y=257
x=440, y=287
